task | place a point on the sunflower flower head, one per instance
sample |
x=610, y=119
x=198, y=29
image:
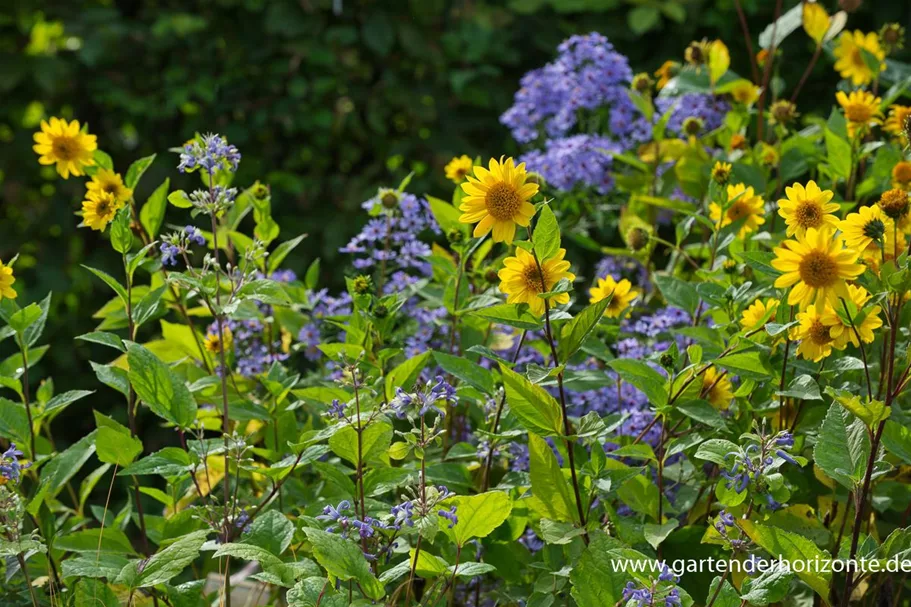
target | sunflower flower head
x=717, y=388
x=668, y=70
x=458, y=168
x=497, y=199
x=622, y=294
x=745, y=92
x=743, y=205
x=861, y=110
x=6, y=282
x=721, y=172
x=895, y=204
x=64, y=144
x=523, y=280
x=642, y=84
x=901, y=175
x=814, y=330
x=859, y=57
x=213, y=342
x=106, y=180
x=783, y=112
x=865, y=227
x=807, y=207
x=892, y=37
x=758, y=313
x=697, y=53
x=815, y=267
x=896, y=122
x=99, y=209
x=850, y=318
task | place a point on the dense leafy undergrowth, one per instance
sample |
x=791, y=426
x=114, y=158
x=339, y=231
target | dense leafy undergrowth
x=478, y=419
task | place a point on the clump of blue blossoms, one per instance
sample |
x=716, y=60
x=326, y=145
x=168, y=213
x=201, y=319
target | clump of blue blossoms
x=210, y=153
x=11, y=466
x=650, y=595
x=424, y=400
x=344, y=524
x=178, y=243
x=756, y=466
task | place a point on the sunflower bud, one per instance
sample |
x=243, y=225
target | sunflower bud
x=730, y=266
x=362, y=284
x=637, y=238
x=783, y=112
x=380, y=311
x=666, y=360
x=696, y=53
x=455, y=236
x=721, y=172
x=642, y=83
x=892, y=37
x=260, y=191
x=692, y=126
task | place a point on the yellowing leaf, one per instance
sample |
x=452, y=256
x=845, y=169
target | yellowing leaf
x=719, y=60
x=815, y=21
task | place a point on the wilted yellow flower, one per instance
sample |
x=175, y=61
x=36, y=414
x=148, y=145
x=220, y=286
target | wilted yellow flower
x=717, y=388
x=748, y=207
x=664, y=73
x=816, y=267
x=895, y=204
x=99, y=209
x=497, y=199
x=864, y=321
x=64, y=144
x=815, y=21
x=807, y=207
x=901, y=175
x=621, y=293
x=523, y=281
x=6, y=282
x=458, y=168
x=861, y=110
x=745, y=92
x=849, y=55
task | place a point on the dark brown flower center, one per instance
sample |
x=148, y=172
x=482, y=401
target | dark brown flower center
x=818, y=269
x=808, y=214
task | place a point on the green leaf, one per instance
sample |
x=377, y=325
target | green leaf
x=121, y=234
x=281, y=251
x=678, y=292
x=715, y=449
x=159, y=387
x=770, y=587
x=111, y=282
x=641, y=495
x=61, y=401
x=478, y=515
x=170, y=461
x=536, y=409
x=548, y=484
x=792, y=547
x=747, y=365
x=838, y=153
x=642, y=376
x=266, y=291
x=151, y=216
x=104, y=338
x=446, y=215
x=116, y=447
x=802, y=387
x=546, y=236
x=375, y=440
x=24, y=318
x=466, y=370
x=343, y=560
x=596, y=582
x=169, y=562
x=843, y=447
x=148, y=306
x=272, y=531
x=136, y=170
x=897, y=440
x=511, y=315
x=94, y=593
x=404, y=375
x=14, y=422
x=180, y=199
x=112, y=541
x=579, y=328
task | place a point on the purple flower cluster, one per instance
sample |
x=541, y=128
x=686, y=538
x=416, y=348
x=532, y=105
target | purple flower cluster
x=391, y=236
x=404, y=515
x=10, y=466
x=578, y=160
x=211, y=154
x=588, y=74
x=325, y=306
x=177, y=243
x=423, y=401
x=344, y=524
x=450, y=515
x=645, y=596
x=750, y=466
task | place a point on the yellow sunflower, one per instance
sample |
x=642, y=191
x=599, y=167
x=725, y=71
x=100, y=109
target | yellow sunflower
x=767, y=154
x=664, y=73
x=497, y=199
x=62, y=143
x=861, y=110
x=896, y=204
x=897, y=119
x=6, y=282
x=108, y=181
x=865, y=321
x=901, y=175
x=621, y=293
x=98, y=209
x=212, y=341
x=717, y=388
x=459, y=168
x=747, y=206
x=807, y=207
x=758, y=314
x=745, y=92
x=865, y=227
x=816, y=265
x=522, y=281
x=815, y=335
x=849, y=55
